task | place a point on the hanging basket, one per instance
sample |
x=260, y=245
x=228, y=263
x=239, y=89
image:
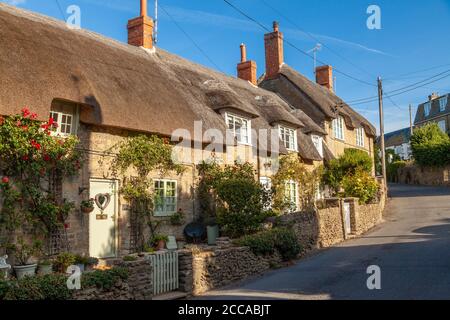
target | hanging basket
x=87, y=210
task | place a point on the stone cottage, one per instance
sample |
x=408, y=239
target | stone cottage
x=104, y=91
x=341, y=126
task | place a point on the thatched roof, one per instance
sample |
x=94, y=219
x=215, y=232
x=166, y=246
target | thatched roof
x=306, y=147
x=119, y=85
x=318, y=102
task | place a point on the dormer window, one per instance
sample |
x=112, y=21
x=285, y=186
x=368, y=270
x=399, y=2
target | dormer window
x=240, y=127
x=318, y=143
x=289, y=138
x=427, y=108
x=443, y=103
x=66, y=116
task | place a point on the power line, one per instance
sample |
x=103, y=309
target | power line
x=391, y=78
x=60, y=10
x=293, y=45
x=314, y=38
x=199, y=48
x=370, y=99
x=388, y=95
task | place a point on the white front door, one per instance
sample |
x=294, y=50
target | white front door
x=102, y=223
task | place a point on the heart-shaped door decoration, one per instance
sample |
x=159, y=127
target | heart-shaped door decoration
x=102, y=200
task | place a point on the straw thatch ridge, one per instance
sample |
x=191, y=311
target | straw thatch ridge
x=319, y=103
x=119, y=85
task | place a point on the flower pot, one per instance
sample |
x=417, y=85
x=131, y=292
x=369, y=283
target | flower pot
x=161, y=245
x=24, y=271
x=213, y=234
x=45, y=269
x=87, y=210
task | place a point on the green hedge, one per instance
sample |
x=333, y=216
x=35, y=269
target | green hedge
x=430, y=146
x=268, y=242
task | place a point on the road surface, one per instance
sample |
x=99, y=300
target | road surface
x=412, y=249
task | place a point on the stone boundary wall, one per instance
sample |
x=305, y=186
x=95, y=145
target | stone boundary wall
x=138, y=286
x=427, y=176
x=212, y=267
x=205, y=270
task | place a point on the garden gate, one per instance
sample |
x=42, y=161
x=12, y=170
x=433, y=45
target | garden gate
x=164, y=272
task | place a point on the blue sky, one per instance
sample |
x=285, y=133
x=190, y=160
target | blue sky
x=414, y=36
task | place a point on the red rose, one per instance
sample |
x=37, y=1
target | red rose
x=25, y=112
x=5, y=180
x=36, y=145
x=33, y=116
x=47, y=158
x=25, y=158
x=25, y=128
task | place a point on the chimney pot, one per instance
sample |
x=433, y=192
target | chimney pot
x=243, y=53
x=276, y=26
x=143, y=8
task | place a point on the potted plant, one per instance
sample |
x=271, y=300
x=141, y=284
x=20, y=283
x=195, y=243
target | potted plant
x=159, y=242
x=45, y=267
x=212, y=230
x=23, y=253
x=87, y=206
x=63, y=261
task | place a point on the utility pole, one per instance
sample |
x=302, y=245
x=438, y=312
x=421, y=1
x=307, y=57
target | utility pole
x=383, y=150
x=410, y=120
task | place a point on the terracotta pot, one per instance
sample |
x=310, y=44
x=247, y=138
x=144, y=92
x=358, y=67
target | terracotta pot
x=86, y=210
x=161, y=245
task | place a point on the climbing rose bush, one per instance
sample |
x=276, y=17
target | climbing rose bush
x=31, y=160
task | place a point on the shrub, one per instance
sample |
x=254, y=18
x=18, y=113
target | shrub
x=241, y=209
x=430, y=146
x=282, y=240
x=360, y=185
x=104, y=279
x=48, y=287
x=63, y=261
x=351, y=161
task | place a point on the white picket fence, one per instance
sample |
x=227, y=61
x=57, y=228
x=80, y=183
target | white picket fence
x=165, y=272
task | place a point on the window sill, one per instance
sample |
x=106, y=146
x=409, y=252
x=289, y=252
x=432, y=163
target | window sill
x=163, y=215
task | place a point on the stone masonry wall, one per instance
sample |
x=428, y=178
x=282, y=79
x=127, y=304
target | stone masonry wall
x=427, y=176
x=222, y=266
x=138, y=286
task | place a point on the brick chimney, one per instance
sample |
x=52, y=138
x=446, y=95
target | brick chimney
x=247, y=69
x=274, y=51
x=324, y=76
x=433, y=96
x=140, y=29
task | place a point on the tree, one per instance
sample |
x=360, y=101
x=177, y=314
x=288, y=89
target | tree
x=430, y=146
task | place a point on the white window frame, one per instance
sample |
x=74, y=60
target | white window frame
x=338, y=125
x=360, y=133
x=427, y=109
x=290, y=193
x=289, y=141
x=59, y=115
x=165, y=212
x=443, y=125
x=443, y=103
x=234, y=118
x=318, y=143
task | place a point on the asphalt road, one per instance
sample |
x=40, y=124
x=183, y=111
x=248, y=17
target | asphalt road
x=412, y=249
